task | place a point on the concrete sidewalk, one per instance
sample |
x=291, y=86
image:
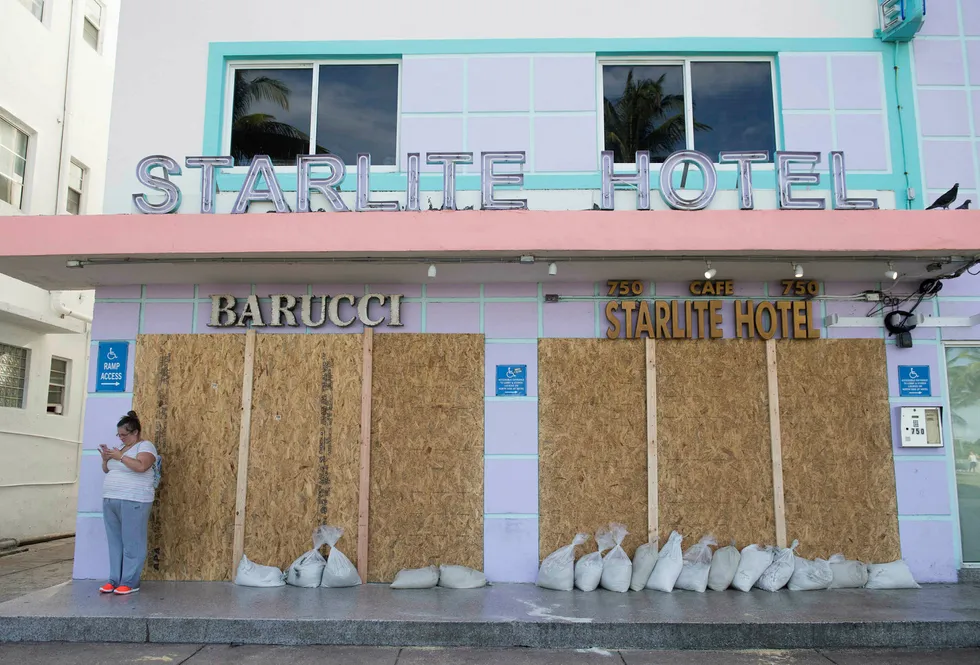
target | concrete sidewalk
x=43, y=565
x=196, y=654
x=506, y=615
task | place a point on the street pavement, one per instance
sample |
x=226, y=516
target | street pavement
x=41, y=566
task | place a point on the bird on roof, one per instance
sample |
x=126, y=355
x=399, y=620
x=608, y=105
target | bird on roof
x=946, y=199
x=965, y=205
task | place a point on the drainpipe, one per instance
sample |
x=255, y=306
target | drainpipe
x=63, y=309
x=61, y=196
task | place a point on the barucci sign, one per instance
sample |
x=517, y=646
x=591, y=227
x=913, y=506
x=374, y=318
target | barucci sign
x=327, y=184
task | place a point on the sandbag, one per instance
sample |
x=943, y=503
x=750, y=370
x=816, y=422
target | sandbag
x=253, y=574
x=811, y=575
x=752, y=562
x=894, y=575
x=557, y=571
x=416, y=578
x=588, y=569
x=617, y=569
x=461, y=577
x=696, y=566
x=307, y=570
x=644, y=560
x=339, y=571
x=724, y=565
x=670, y=561
x=847, y=574
x=779, y=572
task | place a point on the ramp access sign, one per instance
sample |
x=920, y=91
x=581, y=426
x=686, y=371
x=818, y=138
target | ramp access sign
x=913, y=381
x=111, y=368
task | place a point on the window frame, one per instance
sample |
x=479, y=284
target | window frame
x=64, y=387
x=80, y=192
x=27, y=376
x=98, y=39
x=28, y=161
x=315, y=65
x=685, y=62
x=33, y=3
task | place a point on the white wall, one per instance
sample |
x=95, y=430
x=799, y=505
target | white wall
x=160, y=89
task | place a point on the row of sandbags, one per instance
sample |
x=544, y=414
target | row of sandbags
x=697, y=569
x=310, y=570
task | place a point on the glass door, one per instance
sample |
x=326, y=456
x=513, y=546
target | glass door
x=963, y=375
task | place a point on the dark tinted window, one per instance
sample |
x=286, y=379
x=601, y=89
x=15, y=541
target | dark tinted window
x=271, y=113
x=733, y=108
x=357, y=111
x=643, y=109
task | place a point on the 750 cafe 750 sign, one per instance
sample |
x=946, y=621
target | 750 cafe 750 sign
x=703, y=318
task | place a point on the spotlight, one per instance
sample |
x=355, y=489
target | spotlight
x=797, y=271
x=432, y=271
x=710, y=272
x=891, y=272
x=73, y=263
x=552, y=269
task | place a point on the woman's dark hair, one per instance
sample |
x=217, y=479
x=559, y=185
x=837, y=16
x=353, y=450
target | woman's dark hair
x=131, y=422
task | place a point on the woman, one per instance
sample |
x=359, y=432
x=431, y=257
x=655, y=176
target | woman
x=127, y=496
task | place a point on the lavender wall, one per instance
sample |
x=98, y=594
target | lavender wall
x=513, y=317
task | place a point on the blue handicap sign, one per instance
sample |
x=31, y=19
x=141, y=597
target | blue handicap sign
x=111, y=368
x=913, y=381
x=512, y=380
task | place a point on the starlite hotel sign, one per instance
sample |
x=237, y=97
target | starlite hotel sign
x=787, y=168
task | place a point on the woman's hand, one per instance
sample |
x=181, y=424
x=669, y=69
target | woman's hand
x=104, y=452
x=115, y=453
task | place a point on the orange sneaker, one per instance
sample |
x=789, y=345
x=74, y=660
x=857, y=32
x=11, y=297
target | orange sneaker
x=125, y=590
x=106, y=588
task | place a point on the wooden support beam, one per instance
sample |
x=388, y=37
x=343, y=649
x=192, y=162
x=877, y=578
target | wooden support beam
x=653, y=485
x=779, y=502
x=364, y=489
x=244, y=438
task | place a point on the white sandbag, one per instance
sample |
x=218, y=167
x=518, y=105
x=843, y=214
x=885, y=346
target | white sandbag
x=724, y=565
x=617, y=569
x=697, y=565
x=752, y=562
x=339, y=571
x=643, y=562
x=779, y=572
x=847, y=574
x=811, y=575
x=461, y=577
x=307, y=570
x=588, y=569
x=557, y=571
x=253, y=574
x=670, y=561
x=416, y=578
x=894, y=575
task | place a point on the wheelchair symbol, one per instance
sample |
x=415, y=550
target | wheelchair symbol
x=912, y=373
x=111, y=355
x=513, y=372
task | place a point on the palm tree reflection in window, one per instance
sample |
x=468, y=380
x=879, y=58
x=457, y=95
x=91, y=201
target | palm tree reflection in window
x=646, y=116
x=255, y=131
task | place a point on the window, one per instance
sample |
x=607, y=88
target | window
x=92, y=25
x=705, y=105
x=13, y=375
x=341, y=109
x=13, y=163
x=76, y=180
x=57, y=386
x=36, y=7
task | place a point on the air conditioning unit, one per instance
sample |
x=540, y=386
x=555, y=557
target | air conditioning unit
x=900, y=20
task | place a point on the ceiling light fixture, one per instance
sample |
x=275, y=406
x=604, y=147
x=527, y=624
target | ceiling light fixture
x=710, y=272
x=552, y=268
x=74, y=263
x=891, y=273
x=432, y=271
x=797, y=271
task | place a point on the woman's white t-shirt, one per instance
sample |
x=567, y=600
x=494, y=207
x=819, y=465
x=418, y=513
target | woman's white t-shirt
x=123, y=483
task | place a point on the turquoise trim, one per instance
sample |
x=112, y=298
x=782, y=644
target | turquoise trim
x=902, y=121
x=778, y=83
x=90, y=514
x=90, y=453
x=222, y=53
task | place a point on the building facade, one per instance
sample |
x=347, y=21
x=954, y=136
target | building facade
x=54, y=124
x=555, y=91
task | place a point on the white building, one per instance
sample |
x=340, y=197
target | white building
x=56, y=73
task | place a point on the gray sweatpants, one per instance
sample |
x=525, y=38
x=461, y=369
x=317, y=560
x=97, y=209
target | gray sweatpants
x=125, y=529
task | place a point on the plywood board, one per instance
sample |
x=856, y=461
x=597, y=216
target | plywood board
x=303, y=457
x=714, y=453
x=592, y=438
x=188, y=393
x=837, y=452
x=426, y=452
